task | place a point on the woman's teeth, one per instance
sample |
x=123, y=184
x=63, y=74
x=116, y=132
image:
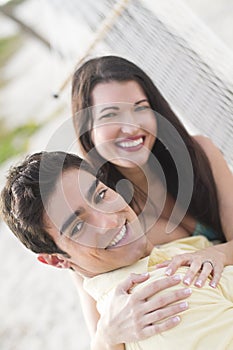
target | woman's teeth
x=119, y=237
x=133, y=143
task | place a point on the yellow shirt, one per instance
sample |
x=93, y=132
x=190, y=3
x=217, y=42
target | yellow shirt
x=207, y=324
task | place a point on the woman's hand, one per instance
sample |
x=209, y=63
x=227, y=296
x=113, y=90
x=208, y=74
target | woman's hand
x=203, y=263
x=133, y=317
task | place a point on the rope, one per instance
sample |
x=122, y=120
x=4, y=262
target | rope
x=105, y=26
x=190, y=66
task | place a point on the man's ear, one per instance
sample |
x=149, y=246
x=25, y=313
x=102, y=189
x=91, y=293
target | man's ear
x=54, y=260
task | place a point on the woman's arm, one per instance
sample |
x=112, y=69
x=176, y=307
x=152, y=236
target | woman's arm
x=213, y=259
x=224, y=183
x=130, y=317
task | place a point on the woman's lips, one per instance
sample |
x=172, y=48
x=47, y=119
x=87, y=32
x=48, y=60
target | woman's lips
x=131, y=144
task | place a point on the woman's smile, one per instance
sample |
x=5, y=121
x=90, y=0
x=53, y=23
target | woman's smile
x=124, y=126
x=131, y=144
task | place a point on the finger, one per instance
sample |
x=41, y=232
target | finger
x=157, y=286
x=129, y=282
x=164, y=313
x=163, y=264
x=205, y=272
x=176, y=263
x=161, y=301
x=161, y=327
x=216, y=276
x=192, y=272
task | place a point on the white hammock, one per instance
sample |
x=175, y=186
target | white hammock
x=189, y=64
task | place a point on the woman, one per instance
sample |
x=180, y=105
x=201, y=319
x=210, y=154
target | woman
x=101, y=90
x=60, y=210
x=107, y=84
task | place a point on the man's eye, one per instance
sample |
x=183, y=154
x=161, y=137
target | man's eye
x=77, y=228
x=141, y=108
x=100, y=196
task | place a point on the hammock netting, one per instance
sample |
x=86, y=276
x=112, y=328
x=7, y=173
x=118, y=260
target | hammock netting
x=192, y=68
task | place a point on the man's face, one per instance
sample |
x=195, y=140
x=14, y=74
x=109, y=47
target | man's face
x=93, y=224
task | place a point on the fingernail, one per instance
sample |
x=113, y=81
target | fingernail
x=198, y=283
x=177, y=277
x=145, y=274
x=188, y=291
x=187, y=281
x=213, y=284
x=183, y=305
x=176, y=319
x=168, y=272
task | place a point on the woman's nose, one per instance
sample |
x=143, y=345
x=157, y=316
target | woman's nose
x=130, y=124
x=130, y=129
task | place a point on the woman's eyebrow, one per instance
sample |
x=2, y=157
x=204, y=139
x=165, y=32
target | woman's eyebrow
x=140, y=101
x=117, y=108
x=109, y=107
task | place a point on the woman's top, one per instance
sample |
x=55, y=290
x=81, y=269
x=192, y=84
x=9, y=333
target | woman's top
x=208, y=232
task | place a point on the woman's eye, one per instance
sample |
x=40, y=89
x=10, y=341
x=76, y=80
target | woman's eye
x=100, y=196
x=141, y=108
x=108, y=115
x=77, y=228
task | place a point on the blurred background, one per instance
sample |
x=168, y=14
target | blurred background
x=186, y=47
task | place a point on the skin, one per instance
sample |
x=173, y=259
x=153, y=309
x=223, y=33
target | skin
x=102, y=214
x=124, y=127
x=91, y=236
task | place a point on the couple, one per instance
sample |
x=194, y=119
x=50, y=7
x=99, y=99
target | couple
x=58, y=208
x=98, y=87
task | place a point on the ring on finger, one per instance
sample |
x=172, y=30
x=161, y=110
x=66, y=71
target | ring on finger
x=208, y=261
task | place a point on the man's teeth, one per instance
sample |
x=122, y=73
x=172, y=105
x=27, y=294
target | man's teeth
x=132, y=143
x=119, y=237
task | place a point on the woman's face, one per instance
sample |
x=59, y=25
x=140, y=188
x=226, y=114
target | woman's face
x=93, y=224
x=124, y=126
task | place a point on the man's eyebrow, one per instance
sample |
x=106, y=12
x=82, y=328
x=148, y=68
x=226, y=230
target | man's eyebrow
x=109, y=107
x=77, y=213
x=69, y=221
x=92, y=189
x=140, y=101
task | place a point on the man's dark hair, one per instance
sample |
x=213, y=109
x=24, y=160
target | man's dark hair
x=26, y=193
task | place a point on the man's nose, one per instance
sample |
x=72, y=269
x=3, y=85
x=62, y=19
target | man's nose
x=103, y=220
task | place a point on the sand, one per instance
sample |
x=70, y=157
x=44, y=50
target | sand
x=39, y=304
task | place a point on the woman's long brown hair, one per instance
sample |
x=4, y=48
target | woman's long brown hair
x=204, y=205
